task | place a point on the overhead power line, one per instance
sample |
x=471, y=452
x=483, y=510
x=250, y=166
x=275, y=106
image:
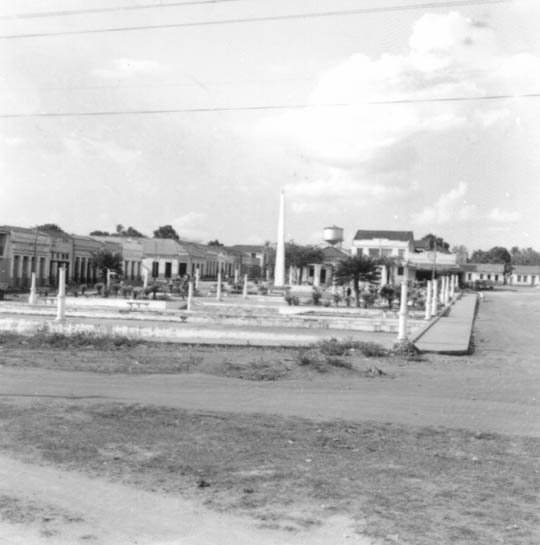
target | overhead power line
x=266, y=107
x=90, y=11
x=262, y=19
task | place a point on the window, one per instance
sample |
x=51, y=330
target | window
x=168, y=269
x=496, y=278
x=374, y=252
x=481, y=276
x=489, y=277
x=524, y=278
x=386, y=252
x=400, y=271
x=155, y=269
x=519, y=277
x=469, y=276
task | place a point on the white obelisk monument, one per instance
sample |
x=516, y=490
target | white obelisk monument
x=279, y=271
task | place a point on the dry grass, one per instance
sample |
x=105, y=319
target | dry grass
x=121, y=355
x=423, y=485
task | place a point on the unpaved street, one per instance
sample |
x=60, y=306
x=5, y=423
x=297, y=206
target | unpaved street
x=497, y=389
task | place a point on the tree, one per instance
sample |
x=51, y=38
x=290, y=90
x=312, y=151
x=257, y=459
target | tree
x=99, y=233
x=105, y=259
x=132, y=232
x=497, y=254
x=301, y=256
x=166, y=231
x=215, y=243
x=435, y=243
x=525, y=256
x=50, y=228
x=356, y=269
x=462, y=254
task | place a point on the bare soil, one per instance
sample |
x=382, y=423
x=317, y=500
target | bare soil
x=442, y=450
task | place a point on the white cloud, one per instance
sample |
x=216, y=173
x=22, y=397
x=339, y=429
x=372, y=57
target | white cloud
x=127, y=68
x=504, y=216
x=81, y=146
x=338, y=189
x=451, y=206
x=11, y=141
x=191, y=225
x=449, y=56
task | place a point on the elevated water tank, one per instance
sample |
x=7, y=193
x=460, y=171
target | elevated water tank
x=333, y=235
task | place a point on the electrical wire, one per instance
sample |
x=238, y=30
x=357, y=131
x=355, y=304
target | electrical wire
x=90, y=11
x=262, y=19
x=267, y=107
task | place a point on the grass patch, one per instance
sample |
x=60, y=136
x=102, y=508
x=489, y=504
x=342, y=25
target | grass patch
x=89, y=352
x=45, y=339
x=334, y=347
x=424, y=485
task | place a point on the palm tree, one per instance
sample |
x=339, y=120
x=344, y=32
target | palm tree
x=105, y=259
x=357, y=269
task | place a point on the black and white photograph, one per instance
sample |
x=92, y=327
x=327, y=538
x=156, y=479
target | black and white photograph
x=269, y=272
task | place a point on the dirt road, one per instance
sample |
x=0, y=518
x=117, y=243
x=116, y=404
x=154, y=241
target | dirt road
x=61, y=508
x=497, y=389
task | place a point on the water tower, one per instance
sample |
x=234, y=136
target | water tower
x=333, y=235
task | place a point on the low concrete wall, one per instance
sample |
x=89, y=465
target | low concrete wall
x=105, y=302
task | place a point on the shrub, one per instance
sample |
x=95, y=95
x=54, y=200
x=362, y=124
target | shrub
x=316, y=296
x=100, y=287
x=338, y=362
x=126, y=291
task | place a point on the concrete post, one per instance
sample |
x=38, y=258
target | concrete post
x=32, y=299
x=197, y=277
x=452, y=286
x=434, y=297
x=244, y=291
x=402, y=330
x=447, y=290
x=316, y=276
x=384, y=275
x=190, y=295
x=236, y=277
x=145, y=278
x=279, y=271
x=218, y=290
x=428, y=301
x=290, y=275
x=61, y=297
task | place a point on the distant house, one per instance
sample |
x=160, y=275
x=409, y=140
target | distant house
x=525, y=275
x=23, y=251
x=131, y=249
x=407, y=259
x=490, y=272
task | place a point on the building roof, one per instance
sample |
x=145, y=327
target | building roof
x=403, y=236
x=526, y=269
x=161, y=246
x=331, y=253
x=248, y=248
x=483, y=267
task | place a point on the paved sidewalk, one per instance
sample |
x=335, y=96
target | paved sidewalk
x=451, y=334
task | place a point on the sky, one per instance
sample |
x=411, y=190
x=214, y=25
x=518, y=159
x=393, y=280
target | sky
x=465, y=170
